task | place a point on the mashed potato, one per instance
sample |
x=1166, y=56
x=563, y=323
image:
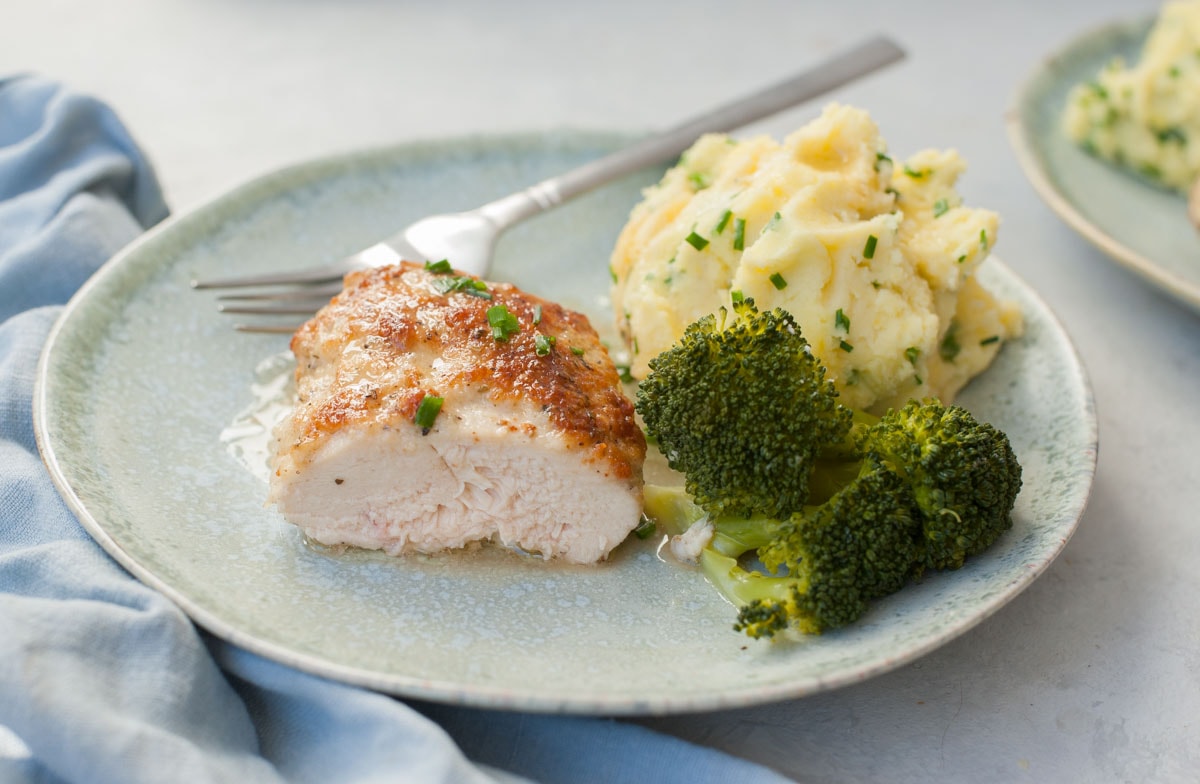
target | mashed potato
x=1145, y=117
x=873, y=258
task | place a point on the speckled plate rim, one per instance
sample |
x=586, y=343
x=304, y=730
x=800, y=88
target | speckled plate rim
x=1029, y=157
x=486, y=696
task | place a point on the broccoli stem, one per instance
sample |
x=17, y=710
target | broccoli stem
x=742, y=586
x=766, y=605
x=673, y=509
x=737, y=535
x=670, y=507
x=830, y=476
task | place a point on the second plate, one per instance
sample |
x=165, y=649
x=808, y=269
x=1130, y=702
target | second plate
x=1144, y=228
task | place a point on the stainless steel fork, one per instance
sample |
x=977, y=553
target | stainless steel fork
x=468, y=239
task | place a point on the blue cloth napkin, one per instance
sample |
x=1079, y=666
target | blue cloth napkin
x=104, y=680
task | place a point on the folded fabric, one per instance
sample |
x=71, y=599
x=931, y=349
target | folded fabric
x=104, y=680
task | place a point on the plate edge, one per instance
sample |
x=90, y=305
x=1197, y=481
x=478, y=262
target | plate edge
x=482, y=696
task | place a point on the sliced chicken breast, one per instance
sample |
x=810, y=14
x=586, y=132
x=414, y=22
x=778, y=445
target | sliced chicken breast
x=534, y=445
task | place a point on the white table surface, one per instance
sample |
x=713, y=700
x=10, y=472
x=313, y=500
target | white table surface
x=1093, y=673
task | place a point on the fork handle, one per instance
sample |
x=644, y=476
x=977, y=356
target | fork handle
x=862, y=59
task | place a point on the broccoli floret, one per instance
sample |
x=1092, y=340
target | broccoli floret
x=742, y=409
x=934, y=486
x=839, y=507
x=963, y=475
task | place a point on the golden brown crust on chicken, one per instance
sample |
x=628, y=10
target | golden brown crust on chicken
x=399, y=315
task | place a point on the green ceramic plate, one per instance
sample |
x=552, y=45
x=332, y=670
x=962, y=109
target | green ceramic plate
x=141, y=376
x=1144, y=228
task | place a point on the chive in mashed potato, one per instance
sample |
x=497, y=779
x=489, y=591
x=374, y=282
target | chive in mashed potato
x=873, y=257
x=1145, y=117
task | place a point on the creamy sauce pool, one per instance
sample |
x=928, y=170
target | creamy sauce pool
x=248, y=437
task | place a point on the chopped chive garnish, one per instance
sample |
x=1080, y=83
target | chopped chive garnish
x=504, y=324
x=739, y=234
x=913, y=354
x=737, y=296
x=841, y=320
x=1173, y=134
x=721, y=224
x=962, y=258
x=869, y=248
x=696, y=241
x=439, y=267
x=876, y=285
x=625, y=374
x=537, y=315
x=771, y=224
x=918, y=380
x=543, y=343
x=577, y=351
x=983, y=240
x=699, y=180
x=476, y=288
x=427, y=411
x=950, y=347
x=645, y=529
x=915, y=173
x=844, y=346
x=990, y=340
x=881, y=157
x=612, y=273
x=777, y=281
x=940, y=208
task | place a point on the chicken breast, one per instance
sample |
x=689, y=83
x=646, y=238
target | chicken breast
x=534, y=446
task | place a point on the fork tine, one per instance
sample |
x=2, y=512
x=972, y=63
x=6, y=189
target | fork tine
x=268, y=329
x=296, y=308
x=307, y=292
x=324, y=274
